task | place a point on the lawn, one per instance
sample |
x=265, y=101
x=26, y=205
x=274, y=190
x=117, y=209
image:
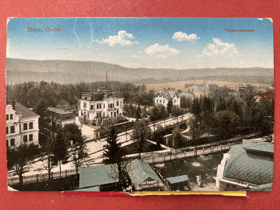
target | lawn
x=192, y=167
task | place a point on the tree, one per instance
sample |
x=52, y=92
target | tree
x=60, y=148
x=157, y=136
x=138, y=113
x=226, y=122
x=48, y=162
x=19, y=160
x=221, y=105
x=141, y=132
x=185, y=103
x=113, y=153
x=112, y=150
x=79, y=153
x=178, y=138
x=72, y=132
x=169, y=106
x=195, y=108
x=194, y=129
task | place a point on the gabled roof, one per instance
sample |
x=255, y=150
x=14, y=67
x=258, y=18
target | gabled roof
x=139, y=172
x=167, y=93
x=24, y=111
x=178, y=179
x=98, y=175
x=252, y=167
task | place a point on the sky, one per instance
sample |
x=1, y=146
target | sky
x=177, y=43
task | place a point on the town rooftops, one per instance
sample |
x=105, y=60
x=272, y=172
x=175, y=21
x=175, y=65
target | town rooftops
x=269, y=95
x=251, y=162
x=59, y=111
x=139, y=172
x=98, y=94
x=178, y=179
x=98, y=175
x=23, y=110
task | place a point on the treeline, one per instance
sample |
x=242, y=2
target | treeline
x=225, y=114
x=31, y=93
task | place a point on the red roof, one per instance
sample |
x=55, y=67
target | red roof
x=269, y=95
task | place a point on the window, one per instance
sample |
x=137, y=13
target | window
x=11, y=116
x=117, y=103
x=12, y=142
x=30, y=137
x=98, y=106
x=104, y=106
x=85, y=98
x=85, y=105
x=25, y=126
x=91, y=106
x=7, y=130
x=7, y=143
x=31, y=125
x=25, y=138
x=7, y=117
x=117, y=111
x=12, y=129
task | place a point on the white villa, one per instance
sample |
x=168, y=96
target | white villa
x=163, y=96
x=99, y=105
x=22, y=125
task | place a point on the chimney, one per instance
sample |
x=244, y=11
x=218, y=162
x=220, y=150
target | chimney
x=14, y=105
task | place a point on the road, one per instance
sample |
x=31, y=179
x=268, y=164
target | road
x=95, y=149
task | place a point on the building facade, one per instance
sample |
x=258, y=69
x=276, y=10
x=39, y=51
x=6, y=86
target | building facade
x=22, y=125
x=165, y=95
x=96, y=106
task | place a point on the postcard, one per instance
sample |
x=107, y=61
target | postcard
x=133, y=105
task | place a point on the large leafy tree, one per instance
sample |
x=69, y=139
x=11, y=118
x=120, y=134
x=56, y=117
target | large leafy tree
x=72, y=132
x=141, y=132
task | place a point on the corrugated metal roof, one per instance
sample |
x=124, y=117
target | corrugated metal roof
x=178, y=179
x=255, y=168
x=99, y=175
x=258, y=146
x=139, y=172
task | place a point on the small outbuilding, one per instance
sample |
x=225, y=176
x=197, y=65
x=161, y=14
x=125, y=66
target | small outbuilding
x=100, y=177
x=143, y=177
x=178, y=182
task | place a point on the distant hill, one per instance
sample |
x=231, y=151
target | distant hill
x=63, y=71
